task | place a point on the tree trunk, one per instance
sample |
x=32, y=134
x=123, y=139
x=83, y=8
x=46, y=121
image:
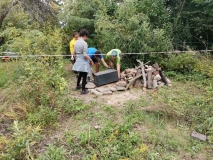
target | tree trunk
x=4, y=14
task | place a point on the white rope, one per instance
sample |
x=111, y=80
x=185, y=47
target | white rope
x=143, y=53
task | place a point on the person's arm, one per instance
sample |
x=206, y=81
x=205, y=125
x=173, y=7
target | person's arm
x=74, y=53
x=71, y=47
x=86, y=54
x=118, y=69
x=118, y=66
x=104, y=63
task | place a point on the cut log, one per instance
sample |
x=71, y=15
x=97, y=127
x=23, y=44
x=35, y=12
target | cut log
x=138, y=82
x=156, y=66
x=127, y=71
x=133, y=81
x=149, y=79
x=123, y=75
x=155, y=84
x=143, y=72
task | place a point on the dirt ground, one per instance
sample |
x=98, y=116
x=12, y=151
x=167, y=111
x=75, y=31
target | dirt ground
x=118, y=98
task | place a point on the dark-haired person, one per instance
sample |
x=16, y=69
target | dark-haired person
x=113, y=57
x=95, y=55
x=83, y=61
x=72, y=43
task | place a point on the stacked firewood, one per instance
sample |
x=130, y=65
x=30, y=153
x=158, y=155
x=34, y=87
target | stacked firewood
x=144, y=76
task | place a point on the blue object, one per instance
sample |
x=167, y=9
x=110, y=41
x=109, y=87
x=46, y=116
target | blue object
x=91, y=52
x=114, y=53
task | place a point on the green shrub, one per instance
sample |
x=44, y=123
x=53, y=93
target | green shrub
x=53, y=152
x=200, y=112
x=41, y=80
x=74, y=106
x=24, y=137
x=31, y=42
x=111, y=142
x=42, y=116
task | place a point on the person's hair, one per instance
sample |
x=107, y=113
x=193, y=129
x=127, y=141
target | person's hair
x=98, y=54
x=84, y=32
x=75, y=33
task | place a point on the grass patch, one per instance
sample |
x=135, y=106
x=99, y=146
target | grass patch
x=157, y=125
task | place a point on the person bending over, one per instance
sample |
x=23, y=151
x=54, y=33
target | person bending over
x=113, y=58
x=96, y=55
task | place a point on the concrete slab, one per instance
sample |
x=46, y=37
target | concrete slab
x=199, y=136
x=113, y=89
x=121, y=88
x=121, y=84
x=90, y=85
x=94, y=91
x=107, y=93
x=102, y=90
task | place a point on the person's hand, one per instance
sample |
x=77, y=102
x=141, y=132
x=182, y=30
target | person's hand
x=109, y=67
x=92, y=63
x=72, y=57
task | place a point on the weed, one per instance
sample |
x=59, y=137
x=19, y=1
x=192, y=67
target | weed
x=23, y=139
x=53, y=152
x=74, y=106
x=43, y=116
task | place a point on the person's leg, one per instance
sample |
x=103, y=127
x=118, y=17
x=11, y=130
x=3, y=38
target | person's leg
x=84, y=91
x=84, y=81
x=79, y=80
x=97, y=66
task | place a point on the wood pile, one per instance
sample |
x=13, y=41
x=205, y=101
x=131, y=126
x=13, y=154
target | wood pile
x=145, y=76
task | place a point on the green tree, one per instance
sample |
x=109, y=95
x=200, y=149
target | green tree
x=130, y=31
x=41, y=10
x=78, y=15
x=192, y=22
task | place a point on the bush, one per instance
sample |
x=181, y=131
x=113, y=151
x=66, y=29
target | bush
x=131, y=32
x=53, y=152
x=41, y=80
x=21, y=142
x=32, y=42
x=42, y=116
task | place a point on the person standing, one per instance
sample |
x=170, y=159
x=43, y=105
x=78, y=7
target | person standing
x=72, y=43
x=113, y=57
x=83, y=61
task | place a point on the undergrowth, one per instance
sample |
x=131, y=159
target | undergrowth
x=157, y=126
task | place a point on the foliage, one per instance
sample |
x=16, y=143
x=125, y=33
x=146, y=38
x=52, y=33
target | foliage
x=6, y=73
x=182, y=63
x=116, y=143
x=131, y=32
x=192, y=22
x=74, y=106
x=20, y=145
x=16, y=18
x=42, y=115
x=39, y=10
x=78, y=15
x=32, y=41
x=41, y=80
x=53, y=152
